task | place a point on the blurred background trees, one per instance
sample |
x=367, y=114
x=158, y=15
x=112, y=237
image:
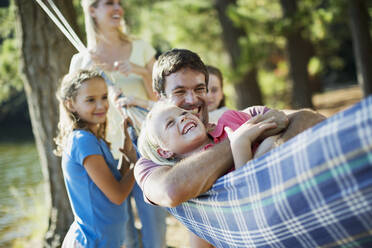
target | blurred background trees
x=273, y=52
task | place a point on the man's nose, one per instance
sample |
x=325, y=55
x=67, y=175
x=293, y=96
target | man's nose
x=190, y=97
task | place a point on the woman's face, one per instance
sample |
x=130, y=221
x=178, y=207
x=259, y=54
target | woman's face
x=215, y=94
x=107, y=13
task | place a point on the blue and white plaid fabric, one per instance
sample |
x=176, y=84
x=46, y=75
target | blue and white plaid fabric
x=313, y=191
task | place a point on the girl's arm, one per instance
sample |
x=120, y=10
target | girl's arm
x=245, y=135
x=100, y=173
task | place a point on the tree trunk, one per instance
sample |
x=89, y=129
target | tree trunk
x=299, y=54
x=45, y=59
x=362, y=44
x=247, y=89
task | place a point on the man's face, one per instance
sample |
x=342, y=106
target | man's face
x=186, y=88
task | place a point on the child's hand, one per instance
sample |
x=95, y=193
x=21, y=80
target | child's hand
x=242, y=138
x=128, y=148
x=250, y=131
x=280, y=118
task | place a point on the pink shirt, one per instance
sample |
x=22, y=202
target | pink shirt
x=230, y=118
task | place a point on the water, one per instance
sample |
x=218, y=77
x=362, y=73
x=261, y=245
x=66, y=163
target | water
x=22, y=194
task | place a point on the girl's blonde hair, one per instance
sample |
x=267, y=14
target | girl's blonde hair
x=68, y=120
x=149, y=141
x=92, y=28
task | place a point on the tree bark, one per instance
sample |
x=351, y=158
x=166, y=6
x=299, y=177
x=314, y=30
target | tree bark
x=359, y=24
x=247, y=89
x=299, y=54
x=45, y=59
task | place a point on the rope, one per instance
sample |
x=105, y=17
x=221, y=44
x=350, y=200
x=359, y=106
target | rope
x=72, y=37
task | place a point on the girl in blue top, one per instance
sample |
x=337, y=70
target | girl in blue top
x=95, y=186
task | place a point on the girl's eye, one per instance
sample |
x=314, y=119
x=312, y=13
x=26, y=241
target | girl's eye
x=169, y=123
x=90, y=100
x=104, y=97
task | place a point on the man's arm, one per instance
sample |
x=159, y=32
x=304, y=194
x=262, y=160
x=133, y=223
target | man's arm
x=169, y=186
x=299, y=121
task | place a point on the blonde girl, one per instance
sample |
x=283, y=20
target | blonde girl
x=95, y=186
x=170, y=133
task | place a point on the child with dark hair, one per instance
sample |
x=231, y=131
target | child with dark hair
x=215, y=95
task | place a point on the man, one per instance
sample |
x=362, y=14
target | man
x=181, y=76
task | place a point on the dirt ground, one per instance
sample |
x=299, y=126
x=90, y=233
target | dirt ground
x=331, y=102
x=327, y=103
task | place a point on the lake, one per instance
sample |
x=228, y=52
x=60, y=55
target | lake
x=23, y=201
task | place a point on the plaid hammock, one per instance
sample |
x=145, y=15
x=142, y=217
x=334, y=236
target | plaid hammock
x=313, y=191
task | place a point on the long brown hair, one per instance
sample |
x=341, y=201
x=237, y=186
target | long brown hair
x=68, y=120
x=215, y=71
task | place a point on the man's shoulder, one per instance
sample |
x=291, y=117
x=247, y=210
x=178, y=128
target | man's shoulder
x=145, y=162
x=143, y=168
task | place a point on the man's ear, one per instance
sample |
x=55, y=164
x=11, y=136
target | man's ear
x=164, y=154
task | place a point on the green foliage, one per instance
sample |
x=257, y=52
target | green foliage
x=10, y=81
x=7, y=17
x=194, y=24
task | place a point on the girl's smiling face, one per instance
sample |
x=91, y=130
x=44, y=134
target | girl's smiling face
x=179, y=131
x=91, y=103
x=215, y=93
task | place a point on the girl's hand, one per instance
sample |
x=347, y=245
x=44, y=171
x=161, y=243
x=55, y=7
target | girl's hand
x=242, y=138
x=281, y=120
x=250, y=130
x=128, y=149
